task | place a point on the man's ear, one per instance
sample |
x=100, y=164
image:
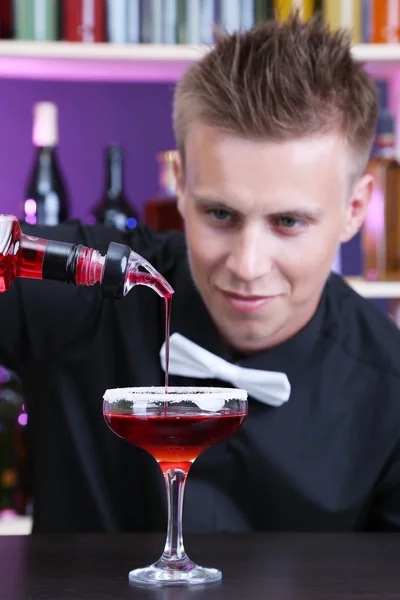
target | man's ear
x=357, y=207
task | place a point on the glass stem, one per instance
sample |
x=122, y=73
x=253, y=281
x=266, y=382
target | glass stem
x=175, y=480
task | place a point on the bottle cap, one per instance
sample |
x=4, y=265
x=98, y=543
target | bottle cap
x=45, y=129
x=114, y=272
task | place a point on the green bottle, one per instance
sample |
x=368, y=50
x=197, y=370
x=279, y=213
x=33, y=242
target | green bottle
x=263, y=10
x=36, y=20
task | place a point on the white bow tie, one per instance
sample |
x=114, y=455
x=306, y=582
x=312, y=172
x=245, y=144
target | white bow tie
x=190, y=360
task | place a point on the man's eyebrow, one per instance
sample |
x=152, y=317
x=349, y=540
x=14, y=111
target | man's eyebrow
x=212, y=201
x=301, y=214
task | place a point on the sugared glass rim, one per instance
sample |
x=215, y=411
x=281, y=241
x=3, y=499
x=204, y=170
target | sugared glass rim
x=157, y=394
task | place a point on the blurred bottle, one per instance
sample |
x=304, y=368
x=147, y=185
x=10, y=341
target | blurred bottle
x=190, y=26
x=84, y=21
x=160, y=21
x=161, y=211
x=36, y=20
x=229, y=15
x=263, y=10
x=46, y=203
x=169, y=22
x=345, y=13
x=6, y=19
x=123, y=21
x=114, y=210
x=381, y=229
x=385, y=22
x=14, y=479
x=46, y=200
x=247, y=14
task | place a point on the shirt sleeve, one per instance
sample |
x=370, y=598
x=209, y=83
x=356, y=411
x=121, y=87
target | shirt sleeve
x=12, y=328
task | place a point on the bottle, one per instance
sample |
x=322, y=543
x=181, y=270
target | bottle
x=229, y=15
x=113, y=209
x=161, y=211
x=84, y=21
x=123, y=21
x=6, y=19
x=344, y=13
x=46, y=200
x=380, y=234
x=151, y=22
x=11, y=501
x=34, y=258
x=385, y=25
x=247, y=14
x=264, y=10
x=36, y=20
x=46, y=203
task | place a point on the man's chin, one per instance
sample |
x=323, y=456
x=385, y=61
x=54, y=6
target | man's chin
x=248, y=340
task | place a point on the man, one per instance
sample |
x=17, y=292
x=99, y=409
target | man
x=274, y=129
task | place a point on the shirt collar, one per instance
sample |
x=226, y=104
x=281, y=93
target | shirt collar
x=191, y=319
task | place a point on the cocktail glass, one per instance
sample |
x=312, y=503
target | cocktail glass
x=175, y=428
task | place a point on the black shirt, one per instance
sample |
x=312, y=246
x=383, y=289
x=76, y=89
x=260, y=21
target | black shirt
x=327, y=460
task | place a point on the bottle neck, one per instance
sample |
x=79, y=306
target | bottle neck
x=30, y=257
x=114, y=192
x=46, y=158
x=74, y=263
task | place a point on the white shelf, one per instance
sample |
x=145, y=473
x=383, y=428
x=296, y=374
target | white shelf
x=127, y=62
x=375, y=289
x=102, y=51
x=96, y=62
x=377, y=53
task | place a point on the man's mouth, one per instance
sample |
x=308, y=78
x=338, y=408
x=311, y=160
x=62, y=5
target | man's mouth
x=247, y=303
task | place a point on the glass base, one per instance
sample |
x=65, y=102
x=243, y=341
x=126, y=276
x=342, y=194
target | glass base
x=179, y=572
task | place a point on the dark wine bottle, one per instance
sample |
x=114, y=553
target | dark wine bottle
x=6, y=19
x=113, y=210
x=46, y=200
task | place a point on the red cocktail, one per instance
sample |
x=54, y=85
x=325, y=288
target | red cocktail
x=175, y=428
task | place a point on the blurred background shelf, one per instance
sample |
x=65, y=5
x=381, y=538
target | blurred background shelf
x=76, y=61
x=377, y=53
x=96, y=62
x=375, y=289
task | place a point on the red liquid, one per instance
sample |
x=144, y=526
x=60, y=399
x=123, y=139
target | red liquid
x=148, y=279
x=175, y=441
x=168, y=306
x=20, y=255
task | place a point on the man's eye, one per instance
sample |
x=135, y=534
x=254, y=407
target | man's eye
x=288, y=222
x=219, y=214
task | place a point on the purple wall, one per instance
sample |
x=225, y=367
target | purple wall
x=91, y=115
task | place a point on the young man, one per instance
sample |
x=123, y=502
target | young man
x=274, y=129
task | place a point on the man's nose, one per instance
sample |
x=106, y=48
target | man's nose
x=251, y=255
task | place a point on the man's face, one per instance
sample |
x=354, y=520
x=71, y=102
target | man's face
x=263, y=222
